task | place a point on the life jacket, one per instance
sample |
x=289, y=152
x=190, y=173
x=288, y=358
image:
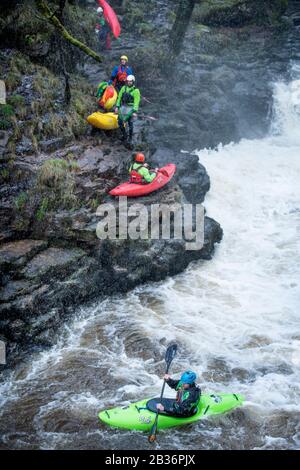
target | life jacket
x=136, y=177
x=121, y=75
x=183, y=394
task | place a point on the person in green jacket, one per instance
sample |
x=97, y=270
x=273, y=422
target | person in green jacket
x=139, y=170
x=127, y=107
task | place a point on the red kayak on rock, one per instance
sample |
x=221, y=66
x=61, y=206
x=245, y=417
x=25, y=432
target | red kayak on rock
x=165, y=174
x=111, y=18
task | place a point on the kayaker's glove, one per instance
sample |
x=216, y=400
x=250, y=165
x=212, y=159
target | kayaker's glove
x=116, y=110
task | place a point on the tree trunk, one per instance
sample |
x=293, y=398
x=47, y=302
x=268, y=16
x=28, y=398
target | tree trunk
x=183, y=16
x=53, y=19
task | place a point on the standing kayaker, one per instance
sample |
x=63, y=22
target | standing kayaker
x=188, y=394
x=102, y=29
x=120, y=73
x=139, y=170
x=127, y=107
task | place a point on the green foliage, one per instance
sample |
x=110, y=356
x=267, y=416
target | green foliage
x=5, y=124
x=56, y=183
x=6, y=110
x=42, y=210
x=94, y=203
x=16, y=100
x=6, y=113
x=4, y=173
x=13, y=80
x=21, y=200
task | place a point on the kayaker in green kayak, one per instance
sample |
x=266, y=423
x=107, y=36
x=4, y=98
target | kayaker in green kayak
x=188, y=394
x=139, y=170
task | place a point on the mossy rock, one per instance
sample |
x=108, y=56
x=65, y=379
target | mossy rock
x=239, y=12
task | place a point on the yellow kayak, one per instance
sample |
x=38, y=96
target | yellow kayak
x=107, y=121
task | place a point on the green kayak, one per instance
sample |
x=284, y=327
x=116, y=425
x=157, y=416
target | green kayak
x=141, y=415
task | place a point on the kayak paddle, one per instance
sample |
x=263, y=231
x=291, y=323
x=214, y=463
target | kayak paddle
x=145, y=116
x=170, y=354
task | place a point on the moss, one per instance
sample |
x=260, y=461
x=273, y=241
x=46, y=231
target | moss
x=4, y=173
x=5, y=124
x=42, y=210
x=56, y=182
x=16, y=100
x=6, y=110
x=239, y=12
x=17, y=130
x=135, y=14
x=21, y=201
x=47, y=85
x=19, y=66
x=55, y=125
x=94, y=203
x=13, y=79
x=208, y=7
x=6, y=113
x=18, y=103
x=76, y=124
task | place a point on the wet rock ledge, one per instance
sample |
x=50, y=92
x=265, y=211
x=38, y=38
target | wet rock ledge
x=50, y=257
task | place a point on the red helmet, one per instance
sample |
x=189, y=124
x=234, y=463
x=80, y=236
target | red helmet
x=140, y=157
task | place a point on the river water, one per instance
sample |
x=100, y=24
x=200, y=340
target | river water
x=235, y=319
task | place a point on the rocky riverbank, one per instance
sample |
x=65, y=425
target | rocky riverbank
x=55, y=172
x=52, y=260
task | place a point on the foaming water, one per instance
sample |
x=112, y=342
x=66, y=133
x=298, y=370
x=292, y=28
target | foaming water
x=235, y=318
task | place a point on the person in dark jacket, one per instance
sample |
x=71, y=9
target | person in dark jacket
x=102, y=29
x=188, y=394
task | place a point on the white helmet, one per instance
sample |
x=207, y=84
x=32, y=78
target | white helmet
x=99, y=10
x=130, y=78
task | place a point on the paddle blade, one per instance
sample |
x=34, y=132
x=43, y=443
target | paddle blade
x=152, y=435
x=170, y=353
x=152, y=438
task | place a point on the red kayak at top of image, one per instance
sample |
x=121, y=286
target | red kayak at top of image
x=111, y=18
x=165, y=174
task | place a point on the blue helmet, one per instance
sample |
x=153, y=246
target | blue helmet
x=188, y=377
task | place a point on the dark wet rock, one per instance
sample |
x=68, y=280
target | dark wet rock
x=217, y=371
x=4, y=136
x=16, y=254
x=24, y=146
x=243, y=375
x=16, y=288
x=51, y=145
x=282, y=369
x=90, y=159
x=52, y=262
x=240, y=12
x=190, y=174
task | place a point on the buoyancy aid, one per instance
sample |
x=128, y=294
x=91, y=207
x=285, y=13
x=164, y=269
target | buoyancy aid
x=136, y=177
x=191, y=396
x=121, y=76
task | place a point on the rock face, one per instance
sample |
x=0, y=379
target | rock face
x=240, y=12
x=53, y=262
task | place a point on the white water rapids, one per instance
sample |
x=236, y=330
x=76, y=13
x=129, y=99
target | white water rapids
x=235, y=318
